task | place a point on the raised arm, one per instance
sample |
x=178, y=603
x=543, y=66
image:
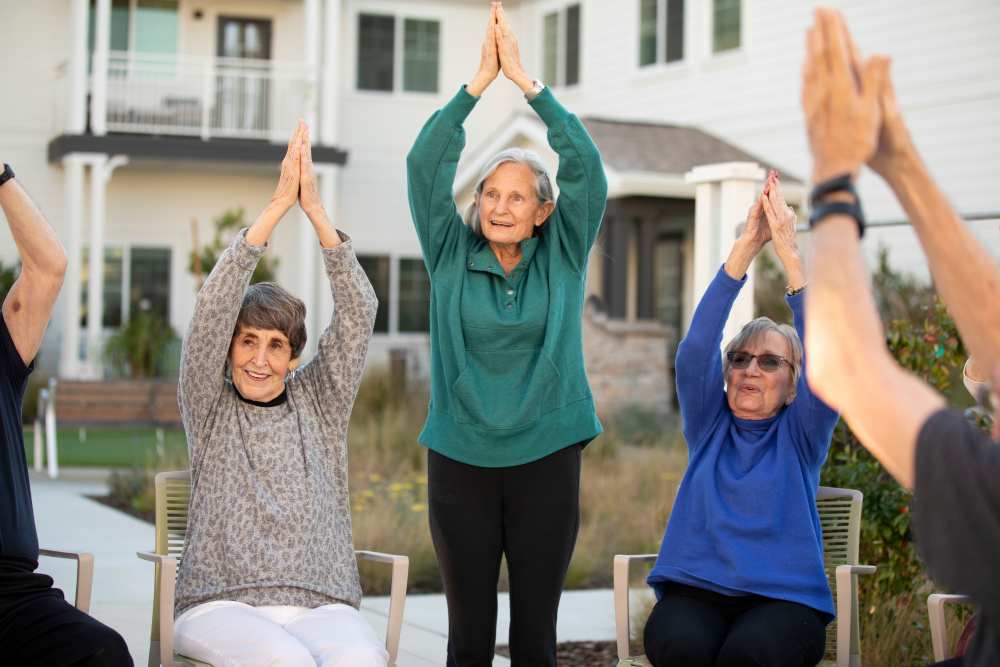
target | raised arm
x=28, y=305
x=583, y=185
x=206, y=345
x=432, y=162
x=851, y=369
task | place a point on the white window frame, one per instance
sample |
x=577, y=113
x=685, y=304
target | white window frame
x=712, y=53
x=661, y=37
x=126, y=285
x=398, y=46
x=392, y=332
x=561, y=9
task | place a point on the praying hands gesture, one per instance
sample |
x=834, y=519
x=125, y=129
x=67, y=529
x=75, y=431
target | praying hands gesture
x=770, y=218
x=297, y=183
x=499, y=52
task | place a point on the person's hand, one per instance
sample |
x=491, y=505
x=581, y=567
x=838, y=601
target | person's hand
x=756, y=232
x=894, y=143
x=780, y=216
x=510, y=54
x=840, y=101
x=309, y=198
x=287, y=192
x=489, y=59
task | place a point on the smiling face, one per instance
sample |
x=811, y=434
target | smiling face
x=509, y=210
x=260, y=359
x=756, y=394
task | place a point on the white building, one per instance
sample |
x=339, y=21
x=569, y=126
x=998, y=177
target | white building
x=133, y=121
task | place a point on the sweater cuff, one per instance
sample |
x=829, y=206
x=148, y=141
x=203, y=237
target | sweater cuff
x=727, y=281
x=337, y=258
x=548, y=108
x=460, y=106
x=244, y=254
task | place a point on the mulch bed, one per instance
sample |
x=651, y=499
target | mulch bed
x=121, y=506
x=580, y=654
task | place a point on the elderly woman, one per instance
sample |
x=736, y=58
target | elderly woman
x=510, y=405
x=269, y=576
x=739, y=579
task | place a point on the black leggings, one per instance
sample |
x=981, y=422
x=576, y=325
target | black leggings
x=692, y=626
x=531, y=514
x=38, y=627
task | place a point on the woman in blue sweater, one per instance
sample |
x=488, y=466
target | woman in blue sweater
x=739, y=579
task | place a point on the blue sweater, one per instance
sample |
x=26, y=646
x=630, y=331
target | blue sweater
x=745, y=518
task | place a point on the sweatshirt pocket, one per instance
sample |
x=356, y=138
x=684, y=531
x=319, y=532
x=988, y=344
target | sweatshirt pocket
x=505, y=389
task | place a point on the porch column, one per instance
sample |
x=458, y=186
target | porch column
x=100, y=175
x=311, y=34
x=76, y=117
x=69, y=359
x=331, y=72
x=723, y=194
x=102, y=44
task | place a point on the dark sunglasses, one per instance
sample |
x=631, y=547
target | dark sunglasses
x=765, y=362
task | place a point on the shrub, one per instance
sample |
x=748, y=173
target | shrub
x=139, y=349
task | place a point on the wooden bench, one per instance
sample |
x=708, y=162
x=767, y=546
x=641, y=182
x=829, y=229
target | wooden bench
x=117, y=403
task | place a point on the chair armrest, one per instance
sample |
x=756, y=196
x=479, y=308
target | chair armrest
x=622, y=564
x=846, y=612
x=935, y=611
x=167, y=582
x=397, y=595
x=84, y=575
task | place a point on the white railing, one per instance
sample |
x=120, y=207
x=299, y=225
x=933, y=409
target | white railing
x=207, y=97
x=45, y=430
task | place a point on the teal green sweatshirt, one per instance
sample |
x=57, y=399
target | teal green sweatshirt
x=508, y=384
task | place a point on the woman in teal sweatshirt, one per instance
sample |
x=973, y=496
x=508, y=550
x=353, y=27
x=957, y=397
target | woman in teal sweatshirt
x=510, y=405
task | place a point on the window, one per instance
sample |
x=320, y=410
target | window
x=141, y=273
x=379, y=58
x=414, y=296
x=561, y=52
x=145, y=26
x=661, y=31
x=725, y=25
x=377, y=269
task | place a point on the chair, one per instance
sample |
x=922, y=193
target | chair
x=173, y=492
x=840, y=518
x=936, y=603
x=84, y=575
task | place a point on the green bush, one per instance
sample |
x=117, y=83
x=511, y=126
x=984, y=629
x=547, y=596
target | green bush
x=139, y=349
x=201, y=262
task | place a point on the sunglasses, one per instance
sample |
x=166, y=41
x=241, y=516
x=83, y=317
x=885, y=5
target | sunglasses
x=765, y=362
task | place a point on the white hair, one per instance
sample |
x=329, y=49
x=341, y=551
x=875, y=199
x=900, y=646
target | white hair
x=756, y=329
x=543, y=184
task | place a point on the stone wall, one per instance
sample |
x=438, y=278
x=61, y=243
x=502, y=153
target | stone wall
x=628, y=363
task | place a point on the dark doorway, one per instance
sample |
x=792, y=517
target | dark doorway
x=243, y=83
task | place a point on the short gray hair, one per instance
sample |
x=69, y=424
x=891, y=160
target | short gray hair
x=543, y=184
x=268, y=305
x=755, y=330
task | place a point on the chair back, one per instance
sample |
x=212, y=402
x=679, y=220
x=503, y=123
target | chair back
x=840, y=520
x=173, y=493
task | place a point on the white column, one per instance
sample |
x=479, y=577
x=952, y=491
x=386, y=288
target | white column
x=723, y=194
x=102, y=44
x=70, y=355
x=100, y=175
x=76, y=117
x=331, y=72
x=311, y=33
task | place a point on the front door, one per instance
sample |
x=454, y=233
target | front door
x=243, y=82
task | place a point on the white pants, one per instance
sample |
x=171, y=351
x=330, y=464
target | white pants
x=233, y=634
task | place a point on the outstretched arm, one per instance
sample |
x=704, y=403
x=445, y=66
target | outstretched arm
x=28, y=305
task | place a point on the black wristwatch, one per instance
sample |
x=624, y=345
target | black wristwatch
x=821, y=209
x=7, y=174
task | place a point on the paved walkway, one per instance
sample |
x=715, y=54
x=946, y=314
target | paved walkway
x=123, y=584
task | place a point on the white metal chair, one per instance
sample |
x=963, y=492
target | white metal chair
x=84, y=575
x=840, y=518
x=936, y=603
x=173, y=492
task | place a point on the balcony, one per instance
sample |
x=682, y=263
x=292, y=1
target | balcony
x=231, y=98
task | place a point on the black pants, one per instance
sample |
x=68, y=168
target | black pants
x=38, y=626
x=531, y=514
x=692, y=626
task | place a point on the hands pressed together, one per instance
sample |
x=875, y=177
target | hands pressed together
x=770, y=218
x=499, y=53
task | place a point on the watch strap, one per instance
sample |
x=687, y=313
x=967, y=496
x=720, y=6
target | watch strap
x=7, y=173
x=826, y=209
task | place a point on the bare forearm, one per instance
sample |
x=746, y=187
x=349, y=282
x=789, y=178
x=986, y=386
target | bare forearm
x=325, y=231
x=262, y=228
x=851, y=369
x=795, y=272
x=740, y=258
x=965, y=275
x=40, y=250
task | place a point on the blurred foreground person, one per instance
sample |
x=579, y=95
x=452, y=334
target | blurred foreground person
x=953, y=468
x=37, y=625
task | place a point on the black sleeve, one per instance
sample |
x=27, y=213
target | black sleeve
x=956, y=507
x=12, y=368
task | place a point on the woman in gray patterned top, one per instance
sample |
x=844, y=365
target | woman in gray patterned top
x=269, y=574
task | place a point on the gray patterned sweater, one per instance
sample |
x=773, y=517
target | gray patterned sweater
x=270, y=520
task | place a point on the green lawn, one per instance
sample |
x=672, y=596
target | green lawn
x=112, y=448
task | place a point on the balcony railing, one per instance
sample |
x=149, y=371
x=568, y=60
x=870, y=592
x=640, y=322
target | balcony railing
x=207, y=97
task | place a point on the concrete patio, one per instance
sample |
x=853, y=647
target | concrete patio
x=123, y=585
